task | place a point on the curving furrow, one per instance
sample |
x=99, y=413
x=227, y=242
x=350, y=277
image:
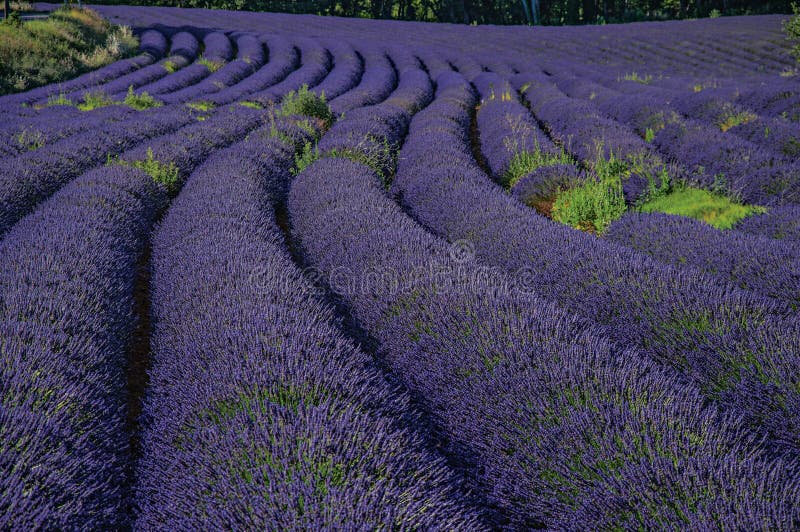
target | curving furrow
x=69, y=291
x=315, y=63
x=283, y=59
x=66, y=299
x=31, y=177
x=52, y=125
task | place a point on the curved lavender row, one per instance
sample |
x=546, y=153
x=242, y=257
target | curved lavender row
x=192, y=74
x=756, y=263
x=377, y=82
x=578, y=127
x=778, y=99
x=739, y=348
x=749, y=172
x=118, y=88
x=192, y=144
x=184, y=44
x=779, y=223
x=434, y=62
x=31, y=177
x=276, y=406
x=250, y=57
x=283, y=59
x=23, y=136
x=218, y=47
x=466, y=66
x=153, y=46
x=315, y=63
x=539, y=409
x=66, y=316
x=505, y=126
x=776, y=134
x=155, y=43
x=348, y=67
x=403, y=58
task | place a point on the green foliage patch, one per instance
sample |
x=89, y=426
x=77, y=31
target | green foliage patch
x=69, y=42
x=598, y=201
x=714, y=209
x=166, y=174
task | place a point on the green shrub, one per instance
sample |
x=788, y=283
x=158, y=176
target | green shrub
x=305, y=157
x=202, y=106
x=170, y=66
x=166, y=174
x=141, y=101
x=307, y=103
x=59, y=99
x=598, y=201
x=29, y=140
x=94, y=100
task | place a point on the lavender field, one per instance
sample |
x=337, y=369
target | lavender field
x=288, y=272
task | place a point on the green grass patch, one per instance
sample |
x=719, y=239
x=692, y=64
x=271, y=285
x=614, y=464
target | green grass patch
x=69, y=42
x=251, y=105
x=714, y=209
x=170, y=66
x=202, y=106
x=598, y=201
x=140, y=101
x=212, y=66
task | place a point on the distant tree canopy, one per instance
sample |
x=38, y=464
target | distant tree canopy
x=552, y=12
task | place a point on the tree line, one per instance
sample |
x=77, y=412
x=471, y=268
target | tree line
x=547, y=12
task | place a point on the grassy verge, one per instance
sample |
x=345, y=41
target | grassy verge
x=69, y=42
x=717, y=211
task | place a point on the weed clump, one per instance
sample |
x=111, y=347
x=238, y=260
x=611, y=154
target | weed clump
x=598, y=201
x=140, y=101
x=166, y=174
x=307, y=103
